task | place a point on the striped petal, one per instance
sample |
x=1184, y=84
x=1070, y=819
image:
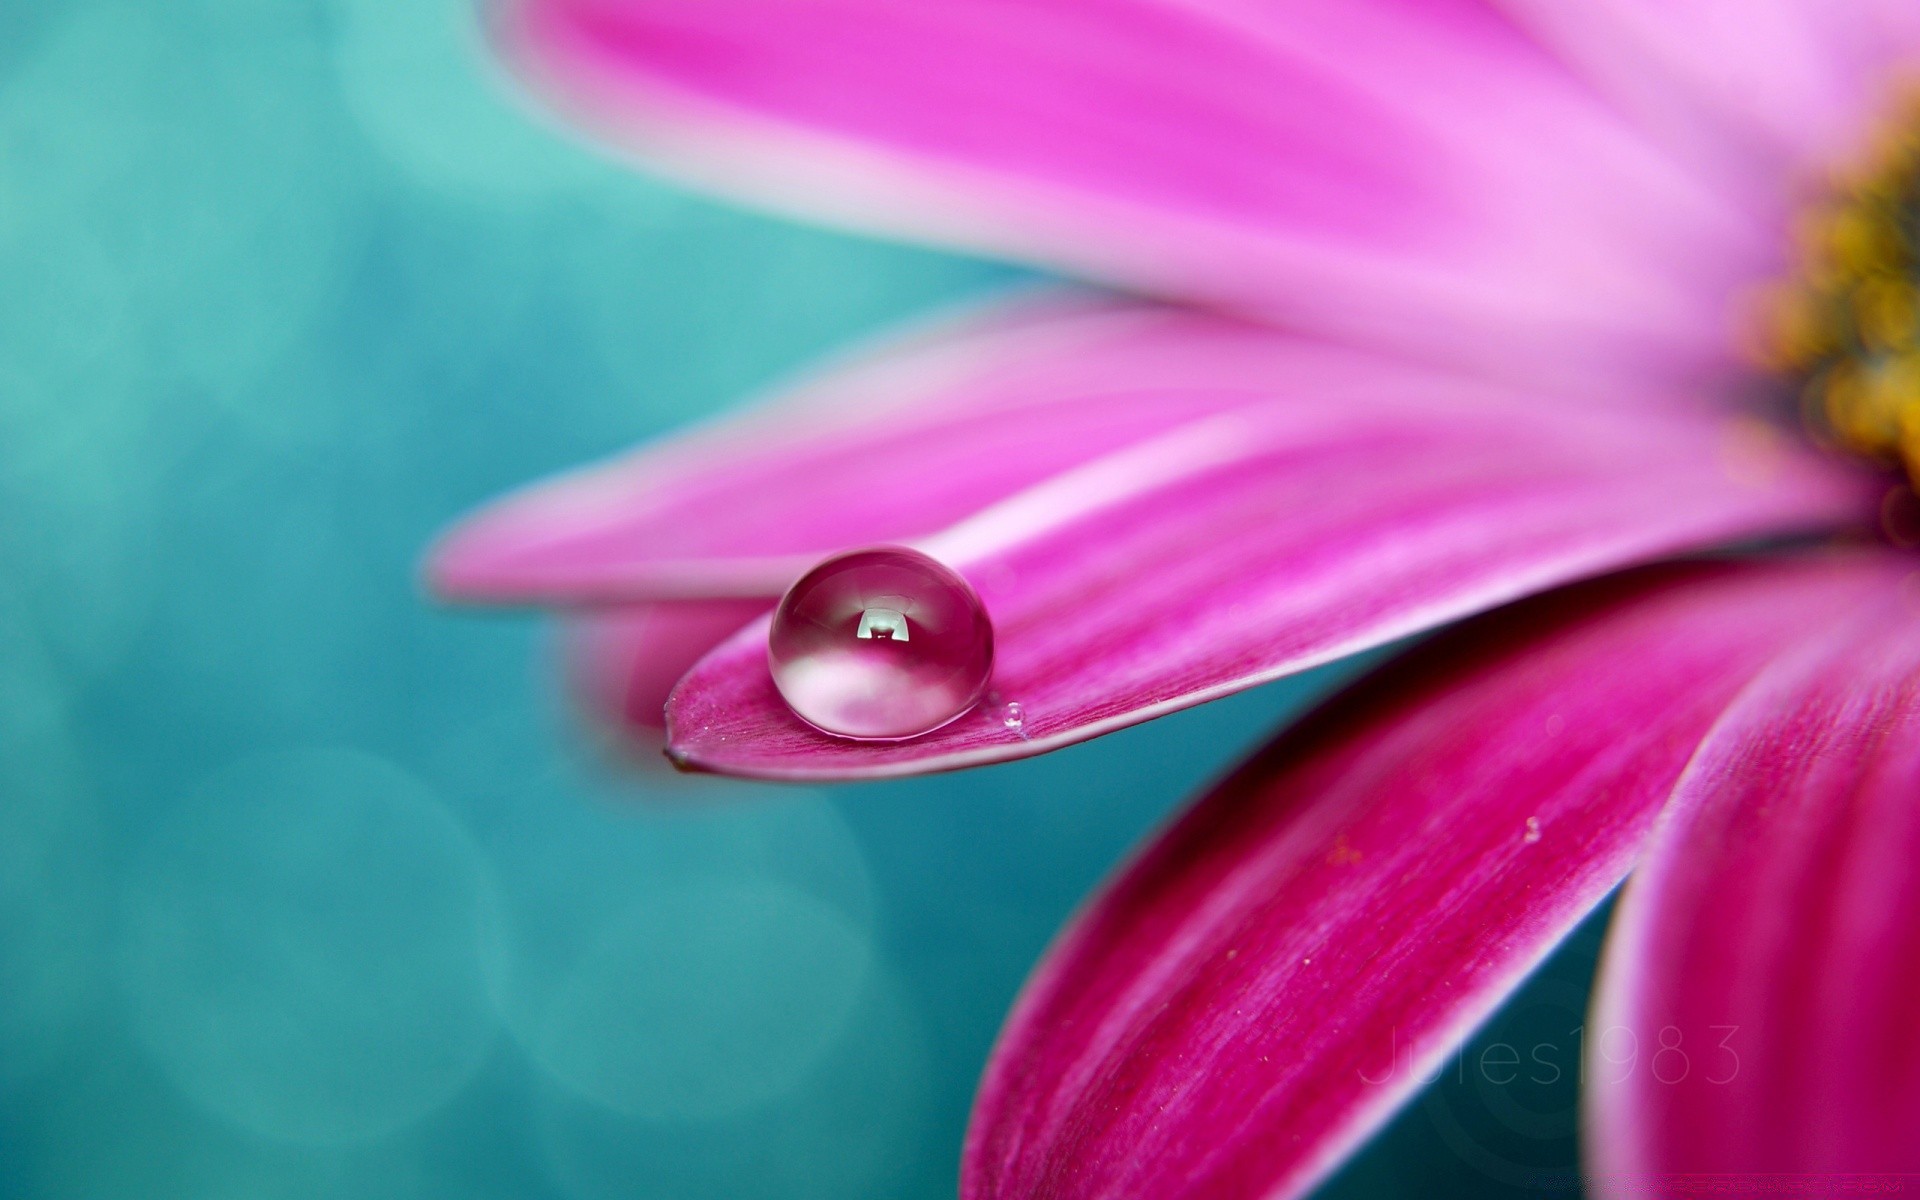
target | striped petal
x=1421, y=175
x=1269, y=539
x=898, y=444
x=1758, y=996
x=1259, y=990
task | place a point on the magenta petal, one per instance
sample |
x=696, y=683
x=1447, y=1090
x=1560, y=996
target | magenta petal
x=1416, y=174
x=1257, y=992
x=1791, y=84
x=622, y=663
x=900, y=444
x=1760, y=992
x=1265, y=541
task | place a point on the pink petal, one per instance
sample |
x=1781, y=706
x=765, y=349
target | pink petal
x=1267, y=540
x=1258, y=991
x=903, y=443
x=1758, y=1003
x=622, y=663
x=1791, y=85
x=1416, y=174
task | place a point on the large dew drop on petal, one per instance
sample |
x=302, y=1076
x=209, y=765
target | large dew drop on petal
x=882, y=643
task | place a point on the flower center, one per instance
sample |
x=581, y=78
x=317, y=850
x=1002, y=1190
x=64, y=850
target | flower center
x=1846, y=325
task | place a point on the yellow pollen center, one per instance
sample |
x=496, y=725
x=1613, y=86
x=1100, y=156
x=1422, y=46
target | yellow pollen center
x=1846, y=325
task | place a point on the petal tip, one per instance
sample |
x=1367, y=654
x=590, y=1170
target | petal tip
x=469, y=563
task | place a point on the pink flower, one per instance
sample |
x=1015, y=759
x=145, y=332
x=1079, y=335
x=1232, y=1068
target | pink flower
x=1471, y=301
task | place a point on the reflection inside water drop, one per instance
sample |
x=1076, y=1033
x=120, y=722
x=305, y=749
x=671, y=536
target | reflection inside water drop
x=883, y=643
x=887, y=624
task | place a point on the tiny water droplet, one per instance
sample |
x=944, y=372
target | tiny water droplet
x=880, y=644
x=1016, y=716
x=1533, y=830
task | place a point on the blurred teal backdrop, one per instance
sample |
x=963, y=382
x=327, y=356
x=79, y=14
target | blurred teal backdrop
x=308, y=889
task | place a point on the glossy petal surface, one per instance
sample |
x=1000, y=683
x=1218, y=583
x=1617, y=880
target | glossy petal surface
x=1416, y=174
x=898, y=444
x=1253, y=995
x=1271, y=539
x=1760, y=988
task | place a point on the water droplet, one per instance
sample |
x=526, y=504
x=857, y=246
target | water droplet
x=1533, y=830
x=880, y=644
x=1016, y=716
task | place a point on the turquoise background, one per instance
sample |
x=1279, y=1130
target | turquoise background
x=309, y=889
